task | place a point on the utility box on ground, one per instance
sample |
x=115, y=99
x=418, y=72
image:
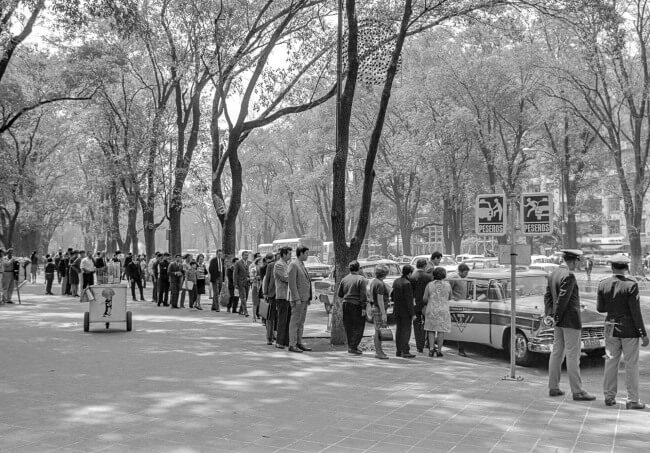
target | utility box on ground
x=106, y=305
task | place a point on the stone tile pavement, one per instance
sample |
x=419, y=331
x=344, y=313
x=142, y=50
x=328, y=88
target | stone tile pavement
x=188, y=381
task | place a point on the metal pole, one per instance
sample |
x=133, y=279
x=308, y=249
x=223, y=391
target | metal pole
x=513, y=292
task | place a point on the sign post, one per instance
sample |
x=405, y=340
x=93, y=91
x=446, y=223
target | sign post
x=513, y=294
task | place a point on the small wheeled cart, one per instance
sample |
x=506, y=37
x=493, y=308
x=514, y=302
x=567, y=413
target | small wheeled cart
x=106, y=305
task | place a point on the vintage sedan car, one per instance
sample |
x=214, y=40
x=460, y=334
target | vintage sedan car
x=483, y=263
x=447, y=261
x=316, y=268
x=324, y=289
x=543, y=263
x=484, y=317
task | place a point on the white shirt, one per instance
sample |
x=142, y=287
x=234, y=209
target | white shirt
x=87, y=265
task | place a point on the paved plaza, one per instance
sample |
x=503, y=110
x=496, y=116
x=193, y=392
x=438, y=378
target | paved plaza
x=188, y=381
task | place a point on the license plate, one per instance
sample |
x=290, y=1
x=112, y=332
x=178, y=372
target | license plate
x=590, y=343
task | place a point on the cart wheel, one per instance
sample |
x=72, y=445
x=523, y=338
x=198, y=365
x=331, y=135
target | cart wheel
x=86, y=322
x=129, y=321
x=108, y=324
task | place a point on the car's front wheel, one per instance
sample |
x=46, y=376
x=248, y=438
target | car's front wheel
x=523, y=357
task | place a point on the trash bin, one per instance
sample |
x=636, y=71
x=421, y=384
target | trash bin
x=106, y=304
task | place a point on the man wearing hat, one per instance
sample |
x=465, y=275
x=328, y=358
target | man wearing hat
x=562, y=304
x=618, y=296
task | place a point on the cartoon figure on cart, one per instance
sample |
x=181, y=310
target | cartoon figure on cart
x=107, y=294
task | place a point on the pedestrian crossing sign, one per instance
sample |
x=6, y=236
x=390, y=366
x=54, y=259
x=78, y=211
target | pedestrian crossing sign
x=536, y=213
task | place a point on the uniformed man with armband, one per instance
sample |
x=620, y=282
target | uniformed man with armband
x=618, y=296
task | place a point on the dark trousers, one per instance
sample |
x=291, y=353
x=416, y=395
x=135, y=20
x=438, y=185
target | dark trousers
x=87, y=279
x=138, y=282
x=284, y=315
x=163, y=291
x=402, y=333
x=354, y=323
x=58, y=276
x=154, y=286
x=243, y=296
x=49, y=279
x=271, y=320
x=418, y=331
x=174, y=290
x=216, y=292
x=233, y=301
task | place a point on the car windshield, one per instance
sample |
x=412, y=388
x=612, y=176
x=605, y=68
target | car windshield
x=447, y=261
x=369, y=270
x=313, y=260
x=530, y=285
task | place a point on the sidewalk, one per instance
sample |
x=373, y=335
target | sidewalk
x=186, y=381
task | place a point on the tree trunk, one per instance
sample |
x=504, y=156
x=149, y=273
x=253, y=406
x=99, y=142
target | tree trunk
x=175, y=244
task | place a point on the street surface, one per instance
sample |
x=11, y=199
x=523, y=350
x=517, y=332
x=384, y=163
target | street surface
x=188, y=381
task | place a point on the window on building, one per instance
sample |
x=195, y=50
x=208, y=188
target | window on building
x=596, y=228
x=614, y=227
x=643, y=220
x=614, y=204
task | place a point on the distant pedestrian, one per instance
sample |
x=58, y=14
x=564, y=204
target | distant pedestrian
x=268, y=289
x=9, y=268
x=241, y=277
x=63, y=272
x=437, y=318
x=100, y=267
x=232, y=288
x=201, y=272
x=153, y=272
x=562, y=305
x=256, y=283
x=87, y=270
x=216, y=269
x=134, y=277
x=434, y=262
x=57, y=261
x=420, y=279
x=190, y=283
x=589, y=265
x=34, y=267
x=74, y=273
x=379, y=294
x=404, y=312
x=459, y=291
x=175, y=271
x=300, y=295
x=187, y=259
x=163, y=280
x=281, y=275
x=50, y=270
x=353, y=291
x=618, y=296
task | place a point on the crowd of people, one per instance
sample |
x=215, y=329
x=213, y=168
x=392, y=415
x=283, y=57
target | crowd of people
x=280, y=289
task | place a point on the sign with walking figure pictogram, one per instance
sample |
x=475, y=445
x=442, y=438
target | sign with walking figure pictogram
x=537, y=213
x=490, y=215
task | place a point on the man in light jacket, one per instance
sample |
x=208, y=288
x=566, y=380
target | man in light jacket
x=281, y=276
x=299, y=296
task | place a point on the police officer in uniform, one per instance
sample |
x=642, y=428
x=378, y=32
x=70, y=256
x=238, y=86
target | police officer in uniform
x=562, y=309
x=618, y=296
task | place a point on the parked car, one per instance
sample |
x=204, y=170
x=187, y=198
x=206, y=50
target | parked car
x=483, y=263
x=467, y=256
x=316, y=268
x=484, y=317
x=447, y=261
x=543, y=263
x=324, y=289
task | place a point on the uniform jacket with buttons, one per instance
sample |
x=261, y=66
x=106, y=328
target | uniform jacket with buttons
x=618, y=296
x=562, y=299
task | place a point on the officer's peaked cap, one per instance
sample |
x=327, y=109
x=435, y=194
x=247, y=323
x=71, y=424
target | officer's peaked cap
x=619, y=258
x=572, y=253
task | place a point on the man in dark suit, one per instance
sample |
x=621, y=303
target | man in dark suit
x=404, y=312
x=241, y=277
x=175, y=271
x=163, y=280
x=562, y=304
x=618, y=296
x=300, y=294
x=216, y=271
x=419, y=280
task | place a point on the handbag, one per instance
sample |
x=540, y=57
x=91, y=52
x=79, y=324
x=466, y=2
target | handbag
x=264, y=308
x=385, y=334
x=188, y=285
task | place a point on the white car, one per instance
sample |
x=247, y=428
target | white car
x=543, y=263
x=447, y=261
